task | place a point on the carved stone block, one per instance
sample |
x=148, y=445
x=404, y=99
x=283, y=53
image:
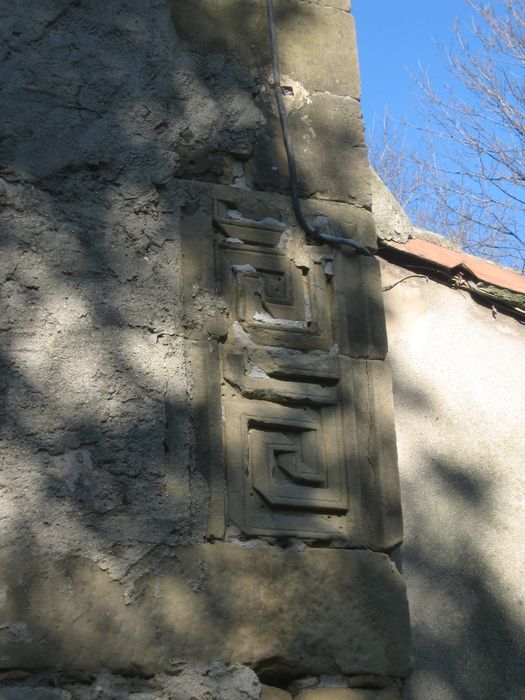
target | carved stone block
x=349, y=694
x=271, y=693
x=255, y=376
x=302, y=29
x=361, y=329
x=319, y=611
x=288, y=473
x=268, y=294
x=334, y=134
x=266, y=287
x=369, y=384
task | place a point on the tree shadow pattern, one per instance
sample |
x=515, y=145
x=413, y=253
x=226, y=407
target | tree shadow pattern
x=105, y=114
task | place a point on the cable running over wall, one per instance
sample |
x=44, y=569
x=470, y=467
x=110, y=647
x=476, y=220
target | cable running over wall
x=311, y=233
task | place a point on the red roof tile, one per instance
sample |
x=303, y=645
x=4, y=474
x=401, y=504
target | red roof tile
x=485, y=271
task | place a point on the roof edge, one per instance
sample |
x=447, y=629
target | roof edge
x=485, y=279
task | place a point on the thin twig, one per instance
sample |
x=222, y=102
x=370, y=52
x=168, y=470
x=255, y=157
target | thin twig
x=391, y=286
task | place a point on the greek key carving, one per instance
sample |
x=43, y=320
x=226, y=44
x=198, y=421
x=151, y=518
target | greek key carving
x=296, y=333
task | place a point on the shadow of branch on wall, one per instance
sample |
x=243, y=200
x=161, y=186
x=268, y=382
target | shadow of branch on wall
x=105, y=114
x=468, y=644
x=467, y=628
x=108, y=115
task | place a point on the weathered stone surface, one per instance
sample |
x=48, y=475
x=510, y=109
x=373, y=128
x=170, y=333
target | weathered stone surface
x=314, y=495
x=346, y=220
x=156, y=122
x=96, y=439
x=270, y=693
x=327, y=132
x=308, y=55
x=212, y=682
x=26, y=693
x=369, y=384
x=305, y=53
x=301, y=684
x=360, y=328
x=363, y=682
x=250, y=605
x=392, y=223
x=216, y=683
x=344, y=5
x=239, y=371
x=348, y=694
x=243, y=35
x=278, y=300
x=361, y=506
x=341, y=218
x=208, y=474
x=110, y=470
x=281, y=371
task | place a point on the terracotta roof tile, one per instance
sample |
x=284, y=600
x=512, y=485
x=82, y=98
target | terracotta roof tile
x=485, y=271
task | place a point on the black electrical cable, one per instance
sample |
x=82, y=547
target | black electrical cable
x=312, y=233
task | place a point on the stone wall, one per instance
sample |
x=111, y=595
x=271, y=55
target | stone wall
x=198, y=456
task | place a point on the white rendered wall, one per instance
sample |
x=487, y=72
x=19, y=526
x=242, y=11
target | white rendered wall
x=459, y=390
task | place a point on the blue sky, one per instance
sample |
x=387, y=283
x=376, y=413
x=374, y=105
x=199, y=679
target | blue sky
x=394, y=36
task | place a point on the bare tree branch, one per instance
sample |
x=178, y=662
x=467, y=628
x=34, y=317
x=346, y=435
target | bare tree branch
x=465, y=177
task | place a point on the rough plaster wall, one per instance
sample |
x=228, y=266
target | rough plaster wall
x=90, y=270
x=103, y=108
x=459, y=393
x=101, y=111
x=110, y=113
x=214, y=682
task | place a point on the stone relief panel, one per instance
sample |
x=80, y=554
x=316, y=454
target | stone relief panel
x=304, y=408
x=269, y=295
x=287, y=473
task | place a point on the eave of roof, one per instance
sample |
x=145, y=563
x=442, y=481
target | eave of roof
x=483, y=270
x=481, y=277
